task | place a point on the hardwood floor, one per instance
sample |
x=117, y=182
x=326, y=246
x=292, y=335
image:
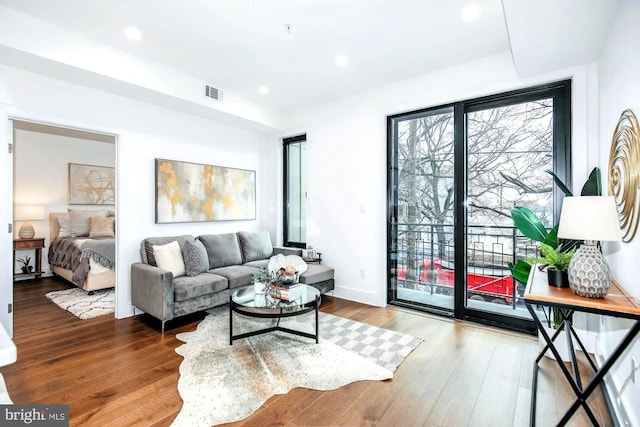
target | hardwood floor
x=124, y=372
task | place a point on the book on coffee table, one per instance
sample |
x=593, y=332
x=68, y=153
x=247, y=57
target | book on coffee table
x=286, y=292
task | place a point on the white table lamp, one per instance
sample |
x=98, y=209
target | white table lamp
x=28, y=213
x=592, y=219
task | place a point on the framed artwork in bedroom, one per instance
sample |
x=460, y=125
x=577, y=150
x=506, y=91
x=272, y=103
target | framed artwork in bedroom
x=194, y=192
x=91, y=185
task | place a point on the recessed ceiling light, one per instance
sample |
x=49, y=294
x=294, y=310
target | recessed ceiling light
x=132, y=33
x=470, y=12
x=263, y=90
x=342, y=60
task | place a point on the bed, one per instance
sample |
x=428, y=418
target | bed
x=87, y=262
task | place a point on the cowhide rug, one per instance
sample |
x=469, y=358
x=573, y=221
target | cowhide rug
x=220, y=383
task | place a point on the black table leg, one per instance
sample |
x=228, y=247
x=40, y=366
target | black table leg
x=599, y=376
x=550, y=345
x=317, y=306
x=581, y=394
x=230, y=321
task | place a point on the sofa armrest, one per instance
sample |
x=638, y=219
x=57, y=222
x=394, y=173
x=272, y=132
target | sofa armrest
x=152, y=290
x=281, y=250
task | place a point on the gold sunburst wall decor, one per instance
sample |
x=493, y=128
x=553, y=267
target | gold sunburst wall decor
x=624, y=173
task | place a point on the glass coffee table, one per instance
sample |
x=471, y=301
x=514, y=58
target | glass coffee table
x=244, y=301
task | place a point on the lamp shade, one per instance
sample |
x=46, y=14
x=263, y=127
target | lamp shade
x=28, y=212
x=589, y=218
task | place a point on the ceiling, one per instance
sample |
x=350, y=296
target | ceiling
x=241, y=45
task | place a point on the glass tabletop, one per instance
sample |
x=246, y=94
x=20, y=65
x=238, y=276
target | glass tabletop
x=301, y=296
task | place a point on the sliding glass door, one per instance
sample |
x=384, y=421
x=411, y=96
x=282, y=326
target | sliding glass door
x=509, y=148
x=424, y=181
x=455, y=172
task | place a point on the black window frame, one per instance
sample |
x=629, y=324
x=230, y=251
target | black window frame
x=285, y=190
x=560, y=91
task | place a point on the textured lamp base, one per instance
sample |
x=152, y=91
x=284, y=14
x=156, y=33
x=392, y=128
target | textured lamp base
x=589, y=273
x=26, y=231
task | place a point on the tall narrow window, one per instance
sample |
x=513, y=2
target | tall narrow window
x=295, y=191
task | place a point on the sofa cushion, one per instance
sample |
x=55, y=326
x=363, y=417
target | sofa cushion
x=222, y=249
x=316, y=273
x=195, y=257
x=237, y=275
x=261, y=263
x=169, y=257
x=255, y=245
x=146, y=248
x=186, y=287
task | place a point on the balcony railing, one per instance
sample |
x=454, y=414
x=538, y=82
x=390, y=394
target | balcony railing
x=425, y=260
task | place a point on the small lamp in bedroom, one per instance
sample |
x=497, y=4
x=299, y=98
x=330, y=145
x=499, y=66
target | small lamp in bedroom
x=592, y=219
x=28, y=213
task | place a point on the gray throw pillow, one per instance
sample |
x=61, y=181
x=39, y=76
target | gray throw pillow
x=195, y=257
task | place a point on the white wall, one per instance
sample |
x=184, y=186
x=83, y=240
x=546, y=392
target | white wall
x=146, y=132
x=41, y=170
x=347, y=154
x=63, y=54
x=619, y=89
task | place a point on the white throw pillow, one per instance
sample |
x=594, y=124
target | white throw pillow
x=169, y=257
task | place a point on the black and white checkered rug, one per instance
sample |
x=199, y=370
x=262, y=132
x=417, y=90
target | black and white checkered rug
x=383, y=347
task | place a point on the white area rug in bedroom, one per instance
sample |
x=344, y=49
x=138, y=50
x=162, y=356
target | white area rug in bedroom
x=82, y=305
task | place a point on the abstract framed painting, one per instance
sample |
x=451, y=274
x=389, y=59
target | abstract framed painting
x=194, y=192
x=91, y=185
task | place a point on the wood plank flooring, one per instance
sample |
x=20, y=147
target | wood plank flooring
x=124, y=372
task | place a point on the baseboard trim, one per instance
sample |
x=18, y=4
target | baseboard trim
x=360, y=296
x=619, y=414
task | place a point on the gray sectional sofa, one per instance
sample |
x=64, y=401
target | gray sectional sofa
x=229, y=263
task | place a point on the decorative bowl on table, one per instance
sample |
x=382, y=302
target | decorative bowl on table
x=288, y=280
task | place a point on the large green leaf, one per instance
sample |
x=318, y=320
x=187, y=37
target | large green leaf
x=552, y=237
x=593, y=186
x=560, y=184
x=529, y=224
x=520, y=271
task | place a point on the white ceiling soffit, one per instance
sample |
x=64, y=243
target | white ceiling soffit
x=240, y=45
x=547, y=35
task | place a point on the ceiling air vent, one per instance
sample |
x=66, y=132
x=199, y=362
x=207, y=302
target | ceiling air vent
x=212, y=92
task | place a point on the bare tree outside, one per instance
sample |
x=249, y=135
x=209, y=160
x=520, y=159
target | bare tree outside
x=509, y=149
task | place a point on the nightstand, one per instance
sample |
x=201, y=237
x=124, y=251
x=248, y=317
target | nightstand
x=36, y=244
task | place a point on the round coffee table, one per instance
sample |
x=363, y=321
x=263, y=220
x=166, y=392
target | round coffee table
x=244, y=301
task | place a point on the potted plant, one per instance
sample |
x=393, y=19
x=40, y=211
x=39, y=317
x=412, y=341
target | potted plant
x=557, y=262
x=26, y=264
x=261, y=280
x=553, y=253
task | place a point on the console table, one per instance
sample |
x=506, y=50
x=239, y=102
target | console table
x=617, y=303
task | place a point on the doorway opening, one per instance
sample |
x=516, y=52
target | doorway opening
x=65, y=173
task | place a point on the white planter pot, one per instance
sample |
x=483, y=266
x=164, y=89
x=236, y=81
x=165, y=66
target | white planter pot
x=560, y=344
x=259, y=287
